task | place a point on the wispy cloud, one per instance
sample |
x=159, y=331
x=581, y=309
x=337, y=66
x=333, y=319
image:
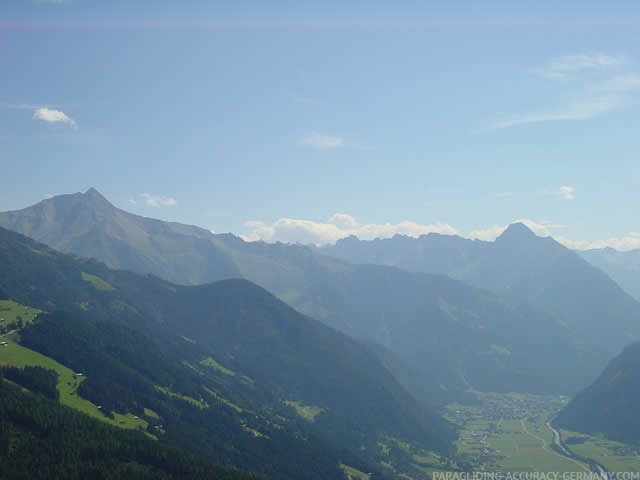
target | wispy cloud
x=19, y=106
x=158, y=201
x=576, y=111
x=609, y=90
x=321, y=140
x=564, y=67
x=51, y=115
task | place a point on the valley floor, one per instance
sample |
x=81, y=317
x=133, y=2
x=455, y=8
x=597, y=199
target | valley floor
x=510, y=433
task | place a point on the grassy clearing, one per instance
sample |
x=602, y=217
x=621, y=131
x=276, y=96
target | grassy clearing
x=308, y=412
x=254, y=432
x=186, y=398
x=129, y=420
x=526, y=446
x=150, y=413
x=219, y=398
x=421, y=461
x=12, y=312
x=499, y=350
x=68, y=383
x=614, y=456
x=97, y=282
x=211, y=363
x=352, y=474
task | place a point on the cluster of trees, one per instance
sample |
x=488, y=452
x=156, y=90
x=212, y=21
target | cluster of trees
x=36, y=379
x=18, y=323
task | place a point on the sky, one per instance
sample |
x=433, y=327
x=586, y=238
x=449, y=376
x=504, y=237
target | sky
x=304, y=121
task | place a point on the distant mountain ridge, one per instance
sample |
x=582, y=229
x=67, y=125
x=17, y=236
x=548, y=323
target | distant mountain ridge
x=622, y=267
x=449, y=336
x=518, y=264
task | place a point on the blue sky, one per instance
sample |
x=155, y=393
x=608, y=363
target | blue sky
x=308, y=121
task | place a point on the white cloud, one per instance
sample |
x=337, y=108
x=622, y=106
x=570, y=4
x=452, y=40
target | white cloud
x=563, y=67
x=51, y=115
x=565, y=191
x=321, y=140
x=488, y=234
x=340, y=225
x=343, y=220
x=157, y=201
x=132, y=201
x=630, y=241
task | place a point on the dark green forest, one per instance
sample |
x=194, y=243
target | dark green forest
x=41, y=439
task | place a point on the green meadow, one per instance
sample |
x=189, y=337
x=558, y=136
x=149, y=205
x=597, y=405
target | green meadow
x=12, y=312
x=308, y=412
x=97, y=282
x=68, y=382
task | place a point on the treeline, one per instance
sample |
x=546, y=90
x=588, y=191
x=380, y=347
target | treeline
x=41, y=439
x=124, y=366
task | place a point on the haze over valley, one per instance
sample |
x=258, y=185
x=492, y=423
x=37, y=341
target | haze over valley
x=291, y=241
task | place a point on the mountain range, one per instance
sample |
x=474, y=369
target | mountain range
x=622, y=267
x=226, y=368
x=538, y=271
x=438, y=335
x=291, y=361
